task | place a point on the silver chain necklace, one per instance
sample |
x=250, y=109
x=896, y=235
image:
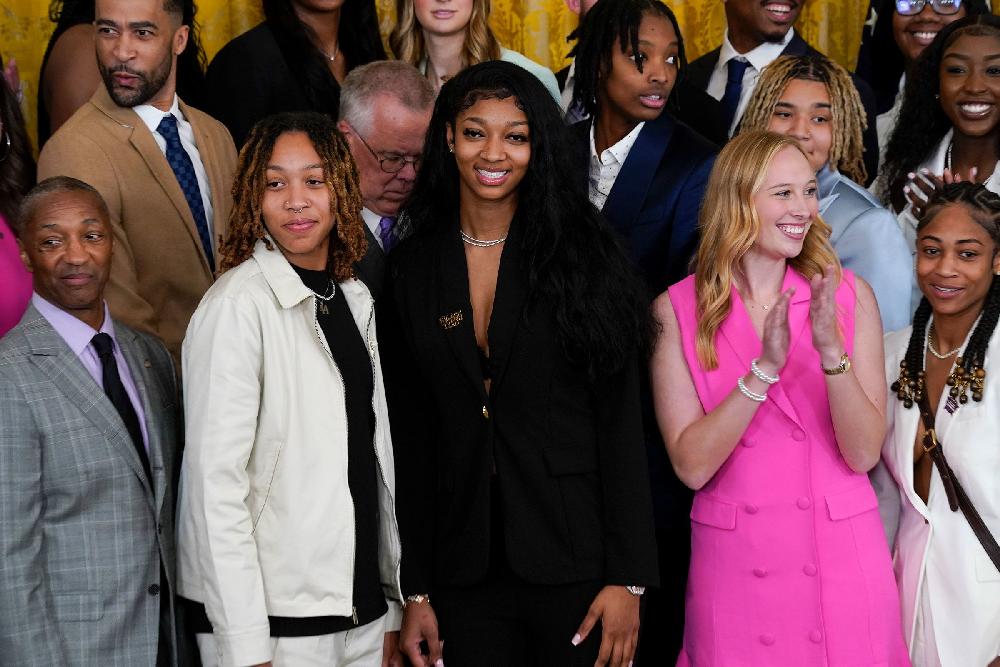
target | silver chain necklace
x=479, y=243
x=325, y=298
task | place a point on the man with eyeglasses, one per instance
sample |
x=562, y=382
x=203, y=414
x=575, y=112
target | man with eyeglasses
x=385, y=108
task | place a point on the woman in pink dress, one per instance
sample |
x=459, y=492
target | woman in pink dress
x=17, y=175
x=769, y=390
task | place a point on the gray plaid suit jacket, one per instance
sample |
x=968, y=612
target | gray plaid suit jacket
x=82, y=534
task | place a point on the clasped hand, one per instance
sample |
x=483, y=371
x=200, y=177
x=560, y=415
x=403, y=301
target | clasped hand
x=826, y=334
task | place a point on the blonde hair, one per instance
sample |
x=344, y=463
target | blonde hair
x=407, y=39
x=849, y=122
x=729, y=227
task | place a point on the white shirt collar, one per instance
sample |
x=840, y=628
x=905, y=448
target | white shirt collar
x=152, y=116
x=619, y=152
x=759, y=57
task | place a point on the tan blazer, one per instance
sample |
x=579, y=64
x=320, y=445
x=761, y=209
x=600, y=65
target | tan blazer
x=159, y=271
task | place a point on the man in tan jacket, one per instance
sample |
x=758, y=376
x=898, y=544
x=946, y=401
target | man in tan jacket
x=164, y=169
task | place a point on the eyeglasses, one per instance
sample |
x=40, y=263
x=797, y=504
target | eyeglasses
x=913, y=7
x=391, y=163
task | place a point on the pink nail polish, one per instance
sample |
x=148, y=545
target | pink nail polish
x=576, y=640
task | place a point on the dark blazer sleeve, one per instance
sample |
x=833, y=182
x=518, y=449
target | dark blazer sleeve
x=630, y=545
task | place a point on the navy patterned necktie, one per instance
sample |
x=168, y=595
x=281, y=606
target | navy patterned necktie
x=180, y=163
x=730, y=101
x=387, y=232
x=115, y=390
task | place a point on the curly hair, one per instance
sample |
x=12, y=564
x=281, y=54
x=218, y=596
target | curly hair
x=407, y=39
x=604, y=26
x=17, y=162
x=983, y=207
x=191, y=63
x=730, y=226
x=571, y=258
x=246, y=222
x=880, y=62
x=847, y=149
x=922, y=122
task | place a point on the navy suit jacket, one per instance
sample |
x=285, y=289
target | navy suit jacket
x=700, y=71
x=655, y=200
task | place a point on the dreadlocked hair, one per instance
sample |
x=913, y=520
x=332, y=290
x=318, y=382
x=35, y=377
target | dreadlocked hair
x=983, y=207
x=246, y=222
x=922, y=122
x=604, y=26
x=729, y=227
x=571, y=258
x=849, y=121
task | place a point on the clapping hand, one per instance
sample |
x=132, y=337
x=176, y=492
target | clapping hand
x=823, y=313
x=776, y=335
x=922, y=185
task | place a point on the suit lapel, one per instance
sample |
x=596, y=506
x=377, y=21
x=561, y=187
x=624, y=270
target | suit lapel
x=508, y=304
x=216, y=181
x=629, y=192
x=455, y=309
x=57, y=362
x=796, y=46
x=907, y=423
x=140, y=366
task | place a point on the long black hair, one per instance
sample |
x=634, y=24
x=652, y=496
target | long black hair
x=606, y=23
x=922, y=123
x=17, y=162
x=357, y=38
x=190, y=64
x=984, y=207
x=572, y=260
x=880, y=62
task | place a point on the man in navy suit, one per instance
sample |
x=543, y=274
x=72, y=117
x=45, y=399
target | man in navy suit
x=757, y=32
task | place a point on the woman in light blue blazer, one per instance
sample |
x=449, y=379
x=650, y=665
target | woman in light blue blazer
x=813, y=100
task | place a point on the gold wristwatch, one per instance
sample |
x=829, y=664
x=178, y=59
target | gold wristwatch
x=845, y=365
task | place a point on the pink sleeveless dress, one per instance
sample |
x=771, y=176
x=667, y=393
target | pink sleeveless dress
x=789, y=562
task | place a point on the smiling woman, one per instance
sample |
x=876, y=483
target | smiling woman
x=289, y=465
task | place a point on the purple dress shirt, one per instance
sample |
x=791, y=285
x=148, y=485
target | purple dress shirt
x=15, y=281
x=78, y=335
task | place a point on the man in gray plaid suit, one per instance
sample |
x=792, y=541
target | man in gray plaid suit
x=89, y=441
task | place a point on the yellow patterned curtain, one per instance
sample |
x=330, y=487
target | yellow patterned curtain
x=537, y=28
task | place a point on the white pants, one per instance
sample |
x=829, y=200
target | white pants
x=360, y=647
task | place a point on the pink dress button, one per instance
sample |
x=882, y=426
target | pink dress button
x=799, y=435
x=810, y=570
x=749, y=442
x=815, y=636
x=803, y=503
x=751, y=509
x=767, y=640
x=759, y=572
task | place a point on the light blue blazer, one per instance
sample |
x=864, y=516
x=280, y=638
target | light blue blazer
x=542, y=73
x=869, y=242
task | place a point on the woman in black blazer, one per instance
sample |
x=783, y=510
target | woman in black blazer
x=523, y=494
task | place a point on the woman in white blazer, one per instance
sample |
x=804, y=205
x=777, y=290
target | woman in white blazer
x=288, y=545
x=949, y=587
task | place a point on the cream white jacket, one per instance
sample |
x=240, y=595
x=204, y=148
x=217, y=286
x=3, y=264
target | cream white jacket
x=265, y=517
x=935, y=547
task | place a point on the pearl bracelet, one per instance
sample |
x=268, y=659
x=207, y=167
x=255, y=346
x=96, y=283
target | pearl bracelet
x=752, y=395
x=761, y=375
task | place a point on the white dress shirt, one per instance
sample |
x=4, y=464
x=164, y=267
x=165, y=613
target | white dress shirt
x=759, y=58
x=604, y=168
x=152, y=116
x=373, y=220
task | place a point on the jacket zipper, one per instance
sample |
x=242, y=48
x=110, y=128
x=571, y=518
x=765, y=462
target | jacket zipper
x=347, y=429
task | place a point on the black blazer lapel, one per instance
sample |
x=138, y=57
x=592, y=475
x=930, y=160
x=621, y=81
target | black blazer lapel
x=628, y=194
x=699, y=72
x=57, y=362
x=796, y=46
x=455, y=309
x=508, y=304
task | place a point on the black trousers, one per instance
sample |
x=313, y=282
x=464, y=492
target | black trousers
x=507, y=621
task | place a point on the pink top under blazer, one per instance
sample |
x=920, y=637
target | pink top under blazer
x=15, y=281
x=789, y=563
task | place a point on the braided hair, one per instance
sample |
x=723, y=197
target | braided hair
x=984, y=208
x=246, y=222
x=602, y=26
x=845, y=104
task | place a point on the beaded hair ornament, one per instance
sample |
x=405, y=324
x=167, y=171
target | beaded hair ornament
x=968, y=374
